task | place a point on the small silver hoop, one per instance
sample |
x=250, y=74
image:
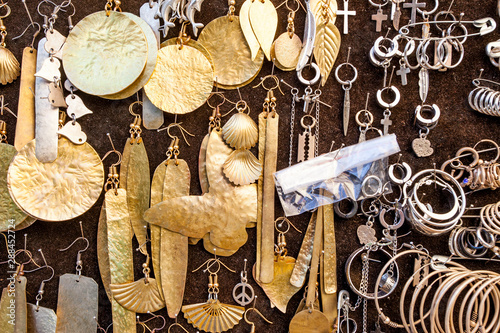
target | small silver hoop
x=391, y=52
x=347, y=82
x=313, y=80
x=384, y=104
x=364, y=185
x=406, y=173
x=427, y=122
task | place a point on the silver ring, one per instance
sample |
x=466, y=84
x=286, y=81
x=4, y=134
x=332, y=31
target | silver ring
x=406, y=173
x=409, y=42
x=365, y=183
x=391, y=52
x=313, y=80
x=348, y=81
x=384, y=104
x=427, y=122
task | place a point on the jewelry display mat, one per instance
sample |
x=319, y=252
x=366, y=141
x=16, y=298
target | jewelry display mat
x=459, y=126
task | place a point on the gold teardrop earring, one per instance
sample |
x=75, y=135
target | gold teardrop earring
x=9, y=66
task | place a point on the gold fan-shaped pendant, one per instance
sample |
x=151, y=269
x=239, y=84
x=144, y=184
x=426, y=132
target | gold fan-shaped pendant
x=242, y=167
x=9, y=66
x=213, y=316
x=140, y=296
x=240, y=131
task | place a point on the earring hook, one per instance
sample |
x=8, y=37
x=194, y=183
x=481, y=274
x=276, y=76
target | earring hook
x=279, y=222
x=154, y=316
x=113, y=151
x=210, y=262
x=181, y=129
x=3, y=106
x=41, y=267
x=176, y=324
x=82, y=238
x=35, y=35
x=256, y=311
x=131, y=108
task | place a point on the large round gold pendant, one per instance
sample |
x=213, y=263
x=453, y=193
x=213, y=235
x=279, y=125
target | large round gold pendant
x=182, y=80
x=150, y=63
x=11, y=217
x=60, y=190
x=230, y=52
x=103, y=55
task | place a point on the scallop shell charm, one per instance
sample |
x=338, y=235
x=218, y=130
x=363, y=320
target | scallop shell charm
x=9, y=66
x=139, y=296
x=213, y=316
x=240, y=131
x=242, y=167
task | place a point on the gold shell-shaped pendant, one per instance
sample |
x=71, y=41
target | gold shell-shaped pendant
x=9, y=66
x=240, y=131
x=139, y=296
x=213, y=316
x=242, y=167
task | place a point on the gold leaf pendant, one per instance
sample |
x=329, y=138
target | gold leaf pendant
x=326, y=48
x=264, y=20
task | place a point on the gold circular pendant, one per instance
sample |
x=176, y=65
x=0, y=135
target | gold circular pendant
x=60, y=190
x=286, y=51
x=309, y=321
x=182, y=80
x=230, y=52
x=192, y=43
x=11, y=217
x=103, y=55
x=150, y=63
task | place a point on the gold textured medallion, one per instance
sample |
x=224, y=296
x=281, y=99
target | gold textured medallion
x=150, y=64
x=103, y=54
x=10, y=215
x=286, y=51
x=192, y=43
x=182, y=80
x=60, y=190
x=230, y=52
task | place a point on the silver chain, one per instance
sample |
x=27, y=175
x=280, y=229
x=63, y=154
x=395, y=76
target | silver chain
x=295, y=92
x=316, y=133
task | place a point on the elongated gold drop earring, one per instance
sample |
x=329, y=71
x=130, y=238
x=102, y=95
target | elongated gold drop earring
x=9, y=66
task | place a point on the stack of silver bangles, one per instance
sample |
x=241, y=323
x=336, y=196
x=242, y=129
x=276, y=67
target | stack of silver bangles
x=422, y=216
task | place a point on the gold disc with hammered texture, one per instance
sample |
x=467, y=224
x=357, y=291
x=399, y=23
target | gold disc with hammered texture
x=60, y=190
x=150, y=64
x=182, y=80
x=11, y=217
x=103, y=55
x=286, y=51
x=192, y=43
x=230, y=52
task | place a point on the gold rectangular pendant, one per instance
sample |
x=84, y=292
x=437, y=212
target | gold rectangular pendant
x=25, y=126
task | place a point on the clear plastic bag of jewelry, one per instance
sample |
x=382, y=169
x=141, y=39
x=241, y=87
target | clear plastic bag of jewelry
x=354, y=172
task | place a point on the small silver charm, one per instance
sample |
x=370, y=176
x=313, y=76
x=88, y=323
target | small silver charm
x=55, y=43
x=366, y=234
x=56, y=95
x=76, y=107
x=50, y=70
x=307, y=141
x=73, y=132
x=247, y=294
x=422, y=147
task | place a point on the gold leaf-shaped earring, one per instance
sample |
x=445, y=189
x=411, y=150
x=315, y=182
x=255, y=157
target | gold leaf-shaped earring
x=141, y=296
x=9, y=66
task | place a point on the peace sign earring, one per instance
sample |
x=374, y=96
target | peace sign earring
x=243, y=298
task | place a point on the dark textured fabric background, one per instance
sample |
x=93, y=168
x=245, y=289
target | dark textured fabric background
x=459, y=126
